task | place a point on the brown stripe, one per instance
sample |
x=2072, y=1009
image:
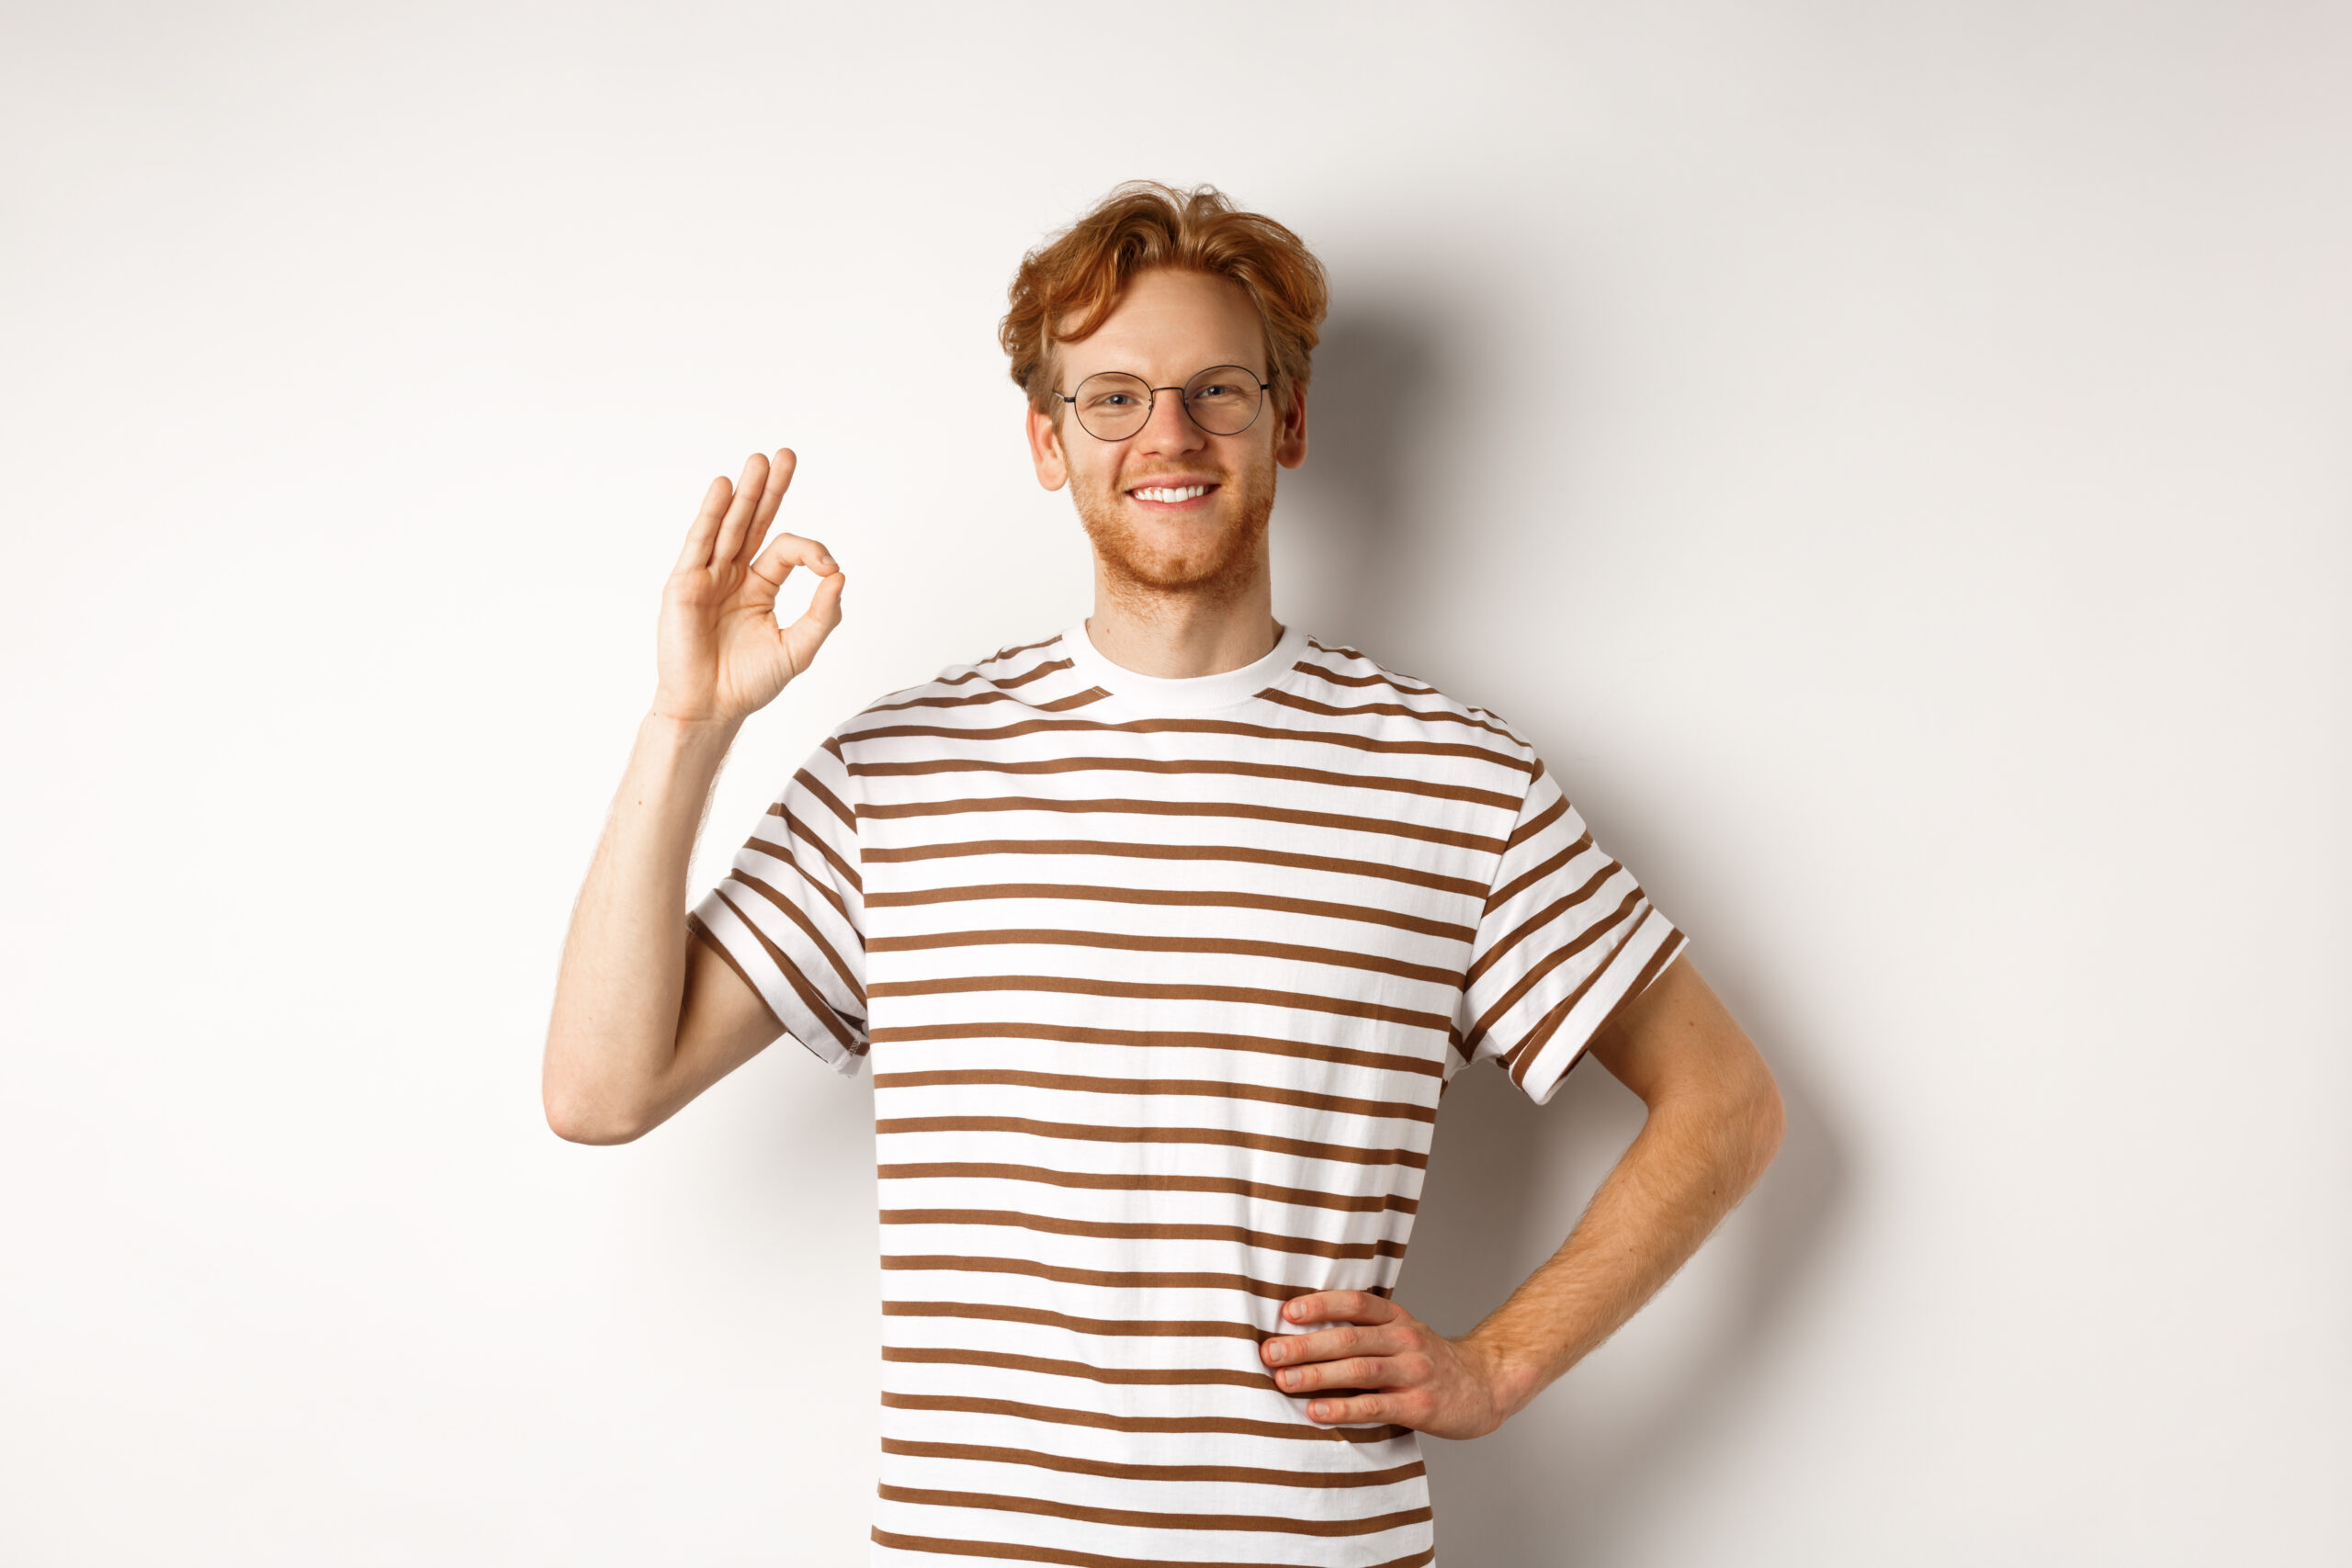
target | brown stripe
x=1202, y=727
x=1174, y=1328
x=1136, y=1519
x=783, y=852
x=1341, y=1154
x=842, y=1028
x=1550, y=962
x=1247, y=1476
x=1308, y=667
x=1087, y=1372
x=832, y=802
x=1009, y=680
x=1024, y=648
x=1393, y=710
x=1086, y=698
x=1179, y=852
x=799, y=917
x=1389, y=827
x=1234, y=1425
x=980, y=672
x=966, y=699
x=1164, y=1039
x=695, y=928
x=1536, y=921
x=1534, y=874
x=800, y=829
x=1081, y=986
x=1045, y=667
x=1115, y=1280
x=1119, y=1230
x=1184, y=767
x=1124, y=942
x=1537, y=823
x=1226, y=1088
x=1123, y=1181
x=1034, y=671
x=1064, y=1557
x=1220, y=898
x=1521, y=1057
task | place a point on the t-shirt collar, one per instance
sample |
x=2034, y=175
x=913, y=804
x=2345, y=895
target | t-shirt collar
x=1185, y=694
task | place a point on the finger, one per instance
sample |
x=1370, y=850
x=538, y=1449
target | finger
x=1330, y=1345
x=780, y=469
x=788, y=550
x=1364, y=1407
x=1350, y=1372
x=748, y=490
x=704, y=528
x=1339, y=1306
x=804, y=637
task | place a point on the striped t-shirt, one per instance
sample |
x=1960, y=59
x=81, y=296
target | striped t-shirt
x=1161, y=980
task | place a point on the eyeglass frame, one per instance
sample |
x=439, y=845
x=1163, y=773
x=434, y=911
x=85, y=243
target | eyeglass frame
x=1152, y=407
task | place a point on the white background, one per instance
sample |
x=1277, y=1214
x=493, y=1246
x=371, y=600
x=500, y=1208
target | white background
x=1891, y=459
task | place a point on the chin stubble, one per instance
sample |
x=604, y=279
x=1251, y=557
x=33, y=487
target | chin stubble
x=1135, y=572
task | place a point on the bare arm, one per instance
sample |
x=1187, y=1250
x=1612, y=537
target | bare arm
x=645, y=1019
x=1714, y=1124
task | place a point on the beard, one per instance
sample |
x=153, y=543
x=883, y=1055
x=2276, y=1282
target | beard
x=1147, y=563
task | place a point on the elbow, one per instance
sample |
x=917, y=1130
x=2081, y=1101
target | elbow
x=1768, y=1122
x=576, y=1125
x=578, y=1114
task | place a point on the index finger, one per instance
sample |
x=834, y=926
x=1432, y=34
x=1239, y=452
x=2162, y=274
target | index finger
x=1339, y=1306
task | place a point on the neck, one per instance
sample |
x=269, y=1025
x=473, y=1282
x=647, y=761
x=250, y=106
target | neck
x=1177, y=635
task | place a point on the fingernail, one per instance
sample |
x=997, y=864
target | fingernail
x=1274, y=1353
x=1290, y=1380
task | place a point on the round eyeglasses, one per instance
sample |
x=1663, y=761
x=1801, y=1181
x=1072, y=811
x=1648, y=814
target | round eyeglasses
x=1112, y=405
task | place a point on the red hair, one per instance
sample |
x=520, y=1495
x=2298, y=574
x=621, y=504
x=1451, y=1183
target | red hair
x=1074, y=279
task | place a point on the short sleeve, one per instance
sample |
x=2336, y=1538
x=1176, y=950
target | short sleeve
x=790, y=917
x=1565, y=936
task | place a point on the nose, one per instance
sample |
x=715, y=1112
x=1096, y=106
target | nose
x=1169, y=429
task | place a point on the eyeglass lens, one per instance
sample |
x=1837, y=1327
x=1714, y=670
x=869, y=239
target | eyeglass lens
x=1112, y=405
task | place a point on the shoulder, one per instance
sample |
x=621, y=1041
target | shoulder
x=976, y=687
x=1341, y=683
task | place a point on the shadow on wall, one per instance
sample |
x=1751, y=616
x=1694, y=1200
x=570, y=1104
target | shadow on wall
x=1349, y=514
x=1575, y=1479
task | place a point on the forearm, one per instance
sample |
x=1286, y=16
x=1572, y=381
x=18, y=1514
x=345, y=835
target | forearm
x=1694, y=1159
x=613, y=1034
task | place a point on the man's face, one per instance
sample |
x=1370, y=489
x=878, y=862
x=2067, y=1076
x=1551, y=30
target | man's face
x=1133, y=494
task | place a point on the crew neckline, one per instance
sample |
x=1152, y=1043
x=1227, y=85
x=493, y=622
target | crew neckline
x=1184, y=694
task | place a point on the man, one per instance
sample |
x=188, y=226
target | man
x=1164, y=934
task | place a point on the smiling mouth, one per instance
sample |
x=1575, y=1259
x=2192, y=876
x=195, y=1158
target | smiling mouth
x=1171, y=495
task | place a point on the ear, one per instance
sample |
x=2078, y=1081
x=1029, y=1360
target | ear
x=1290, y=437
x=1046, y=451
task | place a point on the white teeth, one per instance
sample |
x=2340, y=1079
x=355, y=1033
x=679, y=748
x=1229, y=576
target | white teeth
x=1165, y=492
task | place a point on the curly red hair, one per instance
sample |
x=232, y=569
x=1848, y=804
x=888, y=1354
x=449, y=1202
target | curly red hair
x=1074, y=279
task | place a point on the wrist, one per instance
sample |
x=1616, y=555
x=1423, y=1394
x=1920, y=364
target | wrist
x=683, y=735
x=682, y=723
x=1513, y=1377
